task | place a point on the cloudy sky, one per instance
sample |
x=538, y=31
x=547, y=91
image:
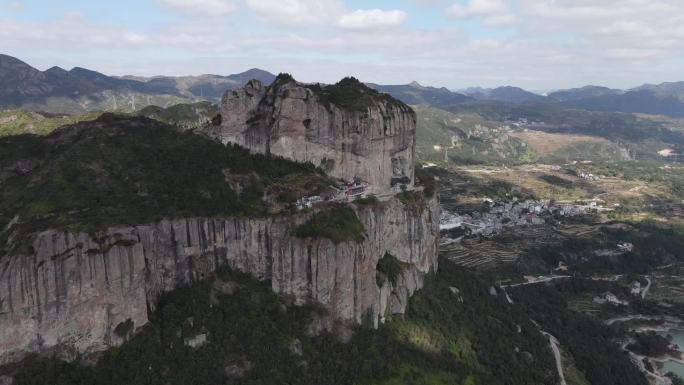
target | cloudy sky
x=537, y=44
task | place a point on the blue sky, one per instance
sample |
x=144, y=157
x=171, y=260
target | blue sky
x=536, y=44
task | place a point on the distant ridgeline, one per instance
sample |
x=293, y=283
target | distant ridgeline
x=187, y=116
x=663, y=99
x=80, y=90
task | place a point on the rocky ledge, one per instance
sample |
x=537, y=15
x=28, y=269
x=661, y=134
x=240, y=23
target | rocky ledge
x=348, y=129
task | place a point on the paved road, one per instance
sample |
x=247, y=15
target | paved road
x=639, y=362
x=646, y=289
x=539, y=280
x=557, y=355
x=642, y=317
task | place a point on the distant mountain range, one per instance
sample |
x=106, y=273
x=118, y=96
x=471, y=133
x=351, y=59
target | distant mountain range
x=415, y=94
x=80, y=90
x=586, y=92
x=675, y=89
x=506, y=94
x=205, y=87
x=664, y=99
x=635, y=101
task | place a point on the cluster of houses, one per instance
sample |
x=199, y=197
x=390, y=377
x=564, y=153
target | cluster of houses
x=524, y=123
x=635, y=289
x=610, y=298
x=513, y=213
x=622, y=248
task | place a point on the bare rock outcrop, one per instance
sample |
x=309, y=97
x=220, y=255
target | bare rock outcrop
x=348, y=129
x=72, y=292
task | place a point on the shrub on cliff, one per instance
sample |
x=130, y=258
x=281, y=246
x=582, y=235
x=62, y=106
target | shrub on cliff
x=338, y=222
x=410, y=197
x=426, y=180
x=124, y=329
x=388, y=268
x=283, y=77
x=370, y=200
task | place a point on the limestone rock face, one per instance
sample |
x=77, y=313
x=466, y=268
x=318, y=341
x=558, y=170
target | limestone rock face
x=70, y=295
x=373, y=140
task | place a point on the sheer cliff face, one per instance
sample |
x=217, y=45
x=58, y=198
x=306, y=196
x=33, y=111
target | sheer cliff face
x=72, y=292
x=374, y=142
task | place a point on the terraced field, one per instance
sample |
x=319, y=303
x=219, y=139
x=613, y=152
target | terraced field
x=464, y=192
x=667, y=287
x=507, y=247
x=585, y=306
x=474, y=254
x=578, y=231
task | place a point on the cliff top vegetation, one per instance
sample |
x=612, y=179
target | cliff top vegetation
x=120, y=170
x=349, y=94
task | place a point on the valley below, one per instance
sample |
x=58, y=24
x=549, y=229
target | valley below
x=542, y=231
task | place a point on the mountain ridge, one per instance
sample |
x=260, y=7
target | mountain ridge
x=508, y=94
x=81, y=90
x=416, y=94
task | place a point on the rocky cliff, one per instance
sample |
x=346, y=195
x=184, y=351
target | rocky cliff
x=348, y=129
x=72, y=291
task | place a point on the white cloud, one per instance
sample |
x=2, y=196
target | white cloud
x=553, y=43
x=72, y=30
x=12, y=5
x=429, y=3
x=75, y=33
x=297, y=13
x=475, y=8
x=203, y=7
x=376, y=42
x=626, y=30
x=633, y=54
x=501, y=20
x=371, y=18
x=485, y=44
x=312, y=13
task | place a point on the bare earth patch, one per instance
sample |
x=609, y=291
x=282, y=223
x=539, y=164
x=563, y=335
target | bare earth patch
x=546, y=143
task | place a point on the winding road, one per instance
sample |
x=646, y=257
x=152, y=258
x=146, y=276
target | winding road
x=642, y=317
x=646, y=289
x=557, y=355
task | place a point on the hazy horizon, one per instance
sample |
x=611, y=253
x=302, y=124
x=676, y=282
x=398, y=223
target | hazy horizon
x=534, y=44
